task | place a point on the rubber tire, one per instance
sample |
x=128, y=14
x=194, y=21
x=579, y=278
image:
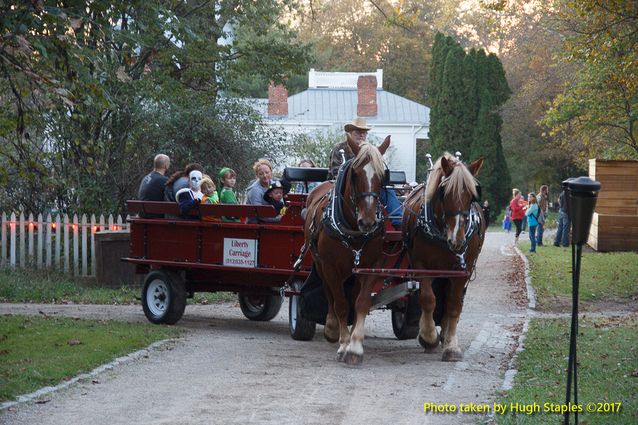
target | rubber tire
x=266, y=309
x=405, y=317
x=171, y=307
x=301, y=329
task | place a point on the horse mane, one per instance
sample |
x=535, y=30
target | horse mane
x=369, y=154
x=459, y=180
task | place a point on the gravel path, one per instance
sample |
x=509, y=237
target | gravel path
x=227, y=370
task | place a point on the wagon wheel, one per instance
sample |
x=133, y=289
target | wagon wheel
x=301, y=329
x=163, y=297
x=405, y=317
x=261, y=308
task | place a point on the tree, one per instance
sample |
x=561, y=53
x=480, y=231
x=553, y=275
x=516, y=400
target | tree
x=466, y=100
x=350, y=35
x=90, y=82
x=599, y=104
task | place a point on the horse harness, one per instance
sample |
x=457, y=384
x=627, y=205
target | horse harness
x=334, y=223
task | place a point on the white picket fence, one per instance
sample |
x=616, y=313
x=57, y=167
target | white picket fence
x=59, y=242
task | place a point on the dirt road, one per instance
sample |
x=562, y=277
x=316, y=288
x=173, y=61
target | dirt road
x=227, y=370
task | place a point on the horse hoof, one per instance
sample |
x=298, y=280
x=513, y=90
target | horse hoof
x=340, y=355
x=353, y=359
x=452, y=356
x=428, y=345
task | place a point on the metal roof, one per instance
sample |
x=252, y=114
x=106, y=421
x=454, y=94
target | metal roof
x=340, y=105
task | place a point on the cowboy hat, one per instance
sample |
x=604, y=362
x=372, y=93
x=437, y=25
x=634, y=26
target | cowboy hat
x=357, y=124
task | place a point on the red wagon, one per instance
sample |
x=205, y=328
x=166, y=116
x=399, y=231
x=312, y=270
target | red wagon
x=256, y=261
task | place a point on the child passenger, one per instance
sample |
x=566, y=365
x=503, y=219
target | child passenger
x=275, y=196
x=209, y=191
x=227, y=179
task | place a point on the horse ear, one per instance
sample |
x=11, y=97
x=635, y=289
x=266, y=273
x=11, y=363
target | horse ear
x=446, y=166
x=353, y=145
x=384, y=146
x=475, y=167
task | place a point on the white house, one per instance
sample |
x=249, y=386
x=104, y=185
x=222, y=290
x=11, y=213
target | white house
x=336, y=98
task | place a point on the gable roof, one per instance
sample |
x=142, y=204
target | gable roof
x=333, y=105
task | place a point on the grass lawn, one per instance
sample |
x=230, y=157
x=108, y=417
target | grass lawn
x=40, y=351
x=51, y=287
x=607, y=370
x=608, y=276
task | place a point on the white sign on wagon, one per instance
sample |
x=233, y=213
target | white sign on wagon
x=240, y=252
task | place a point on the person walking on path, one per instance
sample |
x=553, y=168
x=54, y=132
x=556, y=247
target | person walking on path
x=543, y=206
x=562, y=233
x=517, y=207
x=532, y=212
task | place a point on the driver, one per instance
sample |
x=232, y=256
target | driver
x=358, y=130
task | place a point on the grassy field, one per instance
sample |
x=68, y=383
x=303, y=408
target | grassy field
x=607, y=371
x=603, y=277
x=50, y=287
x=40, y=351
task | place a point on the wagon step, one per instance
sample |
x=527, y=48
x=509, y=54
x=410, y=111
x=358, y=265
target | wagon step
x=393, y=293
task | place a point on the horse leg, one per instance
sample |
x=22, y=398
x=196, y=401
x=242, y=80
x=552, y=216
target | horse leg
x=428, y=337
x=331, y=328
x=453, y=305
x=339, y=311
x=354, y=351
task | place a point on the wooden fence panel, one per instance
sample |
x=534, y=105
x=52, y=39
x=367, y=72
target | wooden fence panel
x=57, y=226
x=55, y=241
x=67, y=250
x=22, y=240
x=30, y=250
x=12, y=246
x=3, y=241
x=76, y=246
x=48, y=240
x=40, y=244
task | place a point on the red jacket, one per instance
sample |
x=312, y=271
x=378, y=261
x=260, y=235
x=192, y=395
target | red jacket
x=516, y=205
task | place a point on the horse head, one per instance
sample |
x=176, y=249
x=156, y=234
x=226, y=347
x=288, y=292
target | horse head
x=452, y=188
x=366, y=178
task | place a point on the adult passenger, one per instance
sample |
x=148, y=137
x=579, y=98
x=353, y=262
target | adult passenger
x=300, y=187
x=152, y=185
x=180, y=180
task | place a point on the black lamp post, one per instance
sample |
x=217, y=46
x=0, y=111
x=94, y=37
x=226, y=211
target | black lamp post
x=582, y=193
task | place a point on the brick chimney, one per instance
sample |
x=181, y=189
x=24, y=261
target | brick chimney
x=367, y=96
x=277, y=100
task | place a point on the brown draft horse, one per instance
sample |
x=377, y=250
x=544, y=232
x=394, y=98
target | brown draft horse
x=344, y=229
x=444, y=228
